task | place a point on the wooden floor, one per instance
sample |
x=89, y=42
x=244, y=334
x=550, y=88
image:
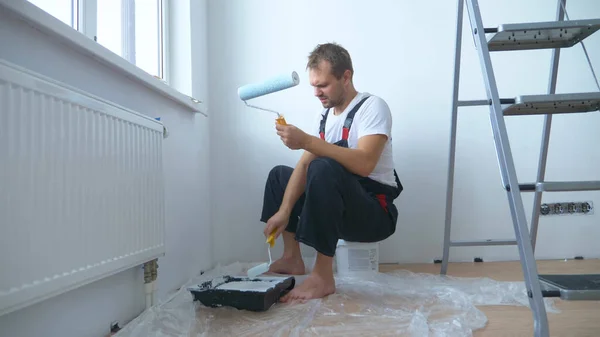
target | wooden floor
x=577, y=318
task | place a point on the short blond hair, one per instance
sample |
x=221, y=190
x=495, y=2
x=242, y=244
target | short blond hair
x=336, y=55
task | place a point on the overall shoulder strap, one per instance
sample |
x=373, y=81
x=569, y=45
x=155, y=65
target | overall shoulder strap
x=350, y=118
x=322, y=124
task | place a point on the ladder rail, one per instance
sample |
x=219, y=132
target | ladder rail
x=478, y=32
x=509, y=175
x=543, y=157
x=453, y=127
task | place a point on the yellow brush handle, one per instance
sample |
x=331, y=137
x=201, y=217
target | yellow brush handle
x=271, y=239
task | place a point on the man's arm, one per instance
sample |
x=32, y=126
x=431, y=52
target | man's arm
x=361, y=160
x=373, y=129
x=297, y=182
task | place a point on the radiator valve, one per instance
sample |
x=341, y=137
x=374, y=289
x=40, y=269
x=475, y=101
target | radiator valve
x=165, y=130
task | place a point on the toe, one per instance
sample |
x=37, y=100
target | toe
x=292, y=295
x=300, y=296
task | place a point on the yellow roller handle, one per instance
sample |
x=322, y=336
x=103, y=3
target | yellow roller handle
x=281, y=120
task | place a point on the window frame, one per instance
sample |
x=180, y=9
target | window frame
x=84, y=20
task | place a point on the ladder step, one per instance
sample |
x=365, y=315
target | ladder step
x=540, y=35
x=554, y=104
x=489, y=242
x=560, y=186
x=485, y=102
x=583, y=287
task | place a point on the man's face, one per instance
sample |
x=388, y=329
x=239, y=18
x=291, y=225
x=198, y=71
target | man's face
x=329, y=90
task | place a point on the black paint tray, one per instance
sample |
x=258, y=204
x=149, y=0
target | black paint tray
x=222, y=291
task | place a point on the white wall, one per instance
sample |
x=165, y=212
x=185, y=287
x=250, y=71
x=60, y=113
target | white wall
x=89, y=310
x=402, y=51
x=395, y=47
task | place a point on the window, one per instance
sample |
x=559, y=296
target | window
x=60, y=9
x=109, y=30
x=148, y=36
x=131, y=29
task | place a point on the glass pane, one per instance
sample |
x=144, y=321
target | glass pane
x=60, y=9
x=109, y=30
x=147, y=35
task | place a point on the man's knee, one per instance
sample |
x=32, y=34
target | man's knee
x=279, y=175
x=276, y=171
x=324, y=167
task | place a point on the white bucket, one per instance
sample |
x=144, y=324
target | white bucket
x=356, y=258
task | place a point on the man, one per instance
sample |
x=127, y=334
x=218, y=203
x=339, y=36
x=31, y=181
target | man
x=343, y=186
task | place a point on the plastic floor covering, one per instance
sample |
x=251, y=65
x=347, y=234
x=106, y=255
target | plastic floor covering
x=399, y=303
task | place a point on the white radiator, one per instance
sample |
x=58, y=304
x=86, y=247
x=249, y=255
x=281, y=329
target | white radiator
x=81, y=188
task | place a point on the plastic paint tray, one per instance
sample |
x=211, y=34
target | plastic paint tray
x=253, y=294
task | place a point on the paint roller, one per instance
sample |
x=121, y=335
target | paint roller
x=268, y=86
x=258, y=89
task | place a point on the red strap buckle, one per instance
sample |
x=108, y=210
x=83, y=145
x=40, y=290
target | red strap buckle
x=382, y=201
x=345, y=132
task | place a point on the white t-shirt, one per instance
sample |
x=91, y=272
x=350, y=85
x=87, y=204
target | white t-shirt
x=373, y=117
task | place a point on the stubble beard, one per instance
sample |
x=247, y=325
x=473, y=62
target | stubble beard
x=331, y=103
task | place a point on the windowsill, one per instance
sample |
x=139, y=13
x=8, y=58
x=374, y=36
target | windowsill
x=49, y=24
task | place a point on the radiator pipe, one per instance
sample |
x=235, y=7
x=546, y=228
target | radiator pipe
x=150, y=276
x=154, y=277
x=148, y=295
x=148, y=283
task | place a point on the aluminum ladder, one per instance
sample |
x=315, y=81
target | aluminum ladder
x=521, y=37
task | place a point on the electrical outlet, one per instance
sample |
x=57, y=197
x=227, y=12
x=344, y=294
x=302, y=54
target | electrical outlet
x=567, y=208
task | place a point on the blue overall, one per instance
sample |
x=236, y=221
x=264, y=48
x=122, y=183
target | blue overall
x=336, y=203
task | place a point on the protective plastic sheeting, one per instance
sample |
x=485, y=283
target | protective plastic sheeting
x=399, y=303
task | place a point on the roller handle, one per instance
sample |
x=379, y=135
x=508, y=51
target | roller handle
x=281, y=120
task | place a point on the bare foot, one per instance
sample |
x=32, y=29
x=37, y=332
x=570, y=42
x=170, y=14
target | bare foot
x=288, y=266
x=314, y=286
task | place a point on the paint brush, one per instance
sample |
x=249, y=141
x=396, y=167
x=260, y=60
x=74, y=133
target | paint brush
x=263, y=267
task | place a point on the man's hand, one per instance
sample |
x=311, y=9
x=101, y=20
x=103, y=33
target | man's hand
x=277, y=223
x=292, y=137
x=361, y=160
